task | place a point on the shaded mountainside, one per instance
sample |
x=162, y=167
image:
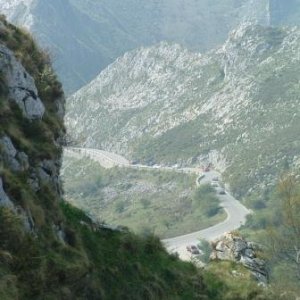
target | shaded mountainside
x=85, y=36
x=237, y=106
x=49, y=250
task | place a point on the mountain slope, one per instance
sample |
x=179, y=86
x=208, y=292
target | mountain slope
x=48, y=249
x=237, y=106
x=85, y=36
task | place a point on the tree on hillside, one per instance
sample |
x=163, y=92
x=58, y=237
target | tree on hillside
x=284, y=241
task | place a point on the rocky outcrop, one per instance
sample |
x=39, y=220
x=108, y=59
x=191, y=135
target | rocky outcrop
x=9, y=152
x=48, y=172
x=4, y=200
x=21, y=86
x=235, y=248
x=30, y=146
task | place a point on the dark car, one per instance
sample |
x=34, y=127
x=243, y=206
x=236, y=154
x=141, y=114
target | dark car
x=222, y=192
x=195, y=251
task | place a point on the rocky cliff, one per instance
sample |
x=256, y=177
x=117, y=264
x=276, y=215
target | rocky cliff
x=31, y=130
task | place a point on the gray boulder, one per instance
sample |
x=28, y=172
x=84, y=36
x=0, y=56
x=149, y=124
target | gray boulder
x=33, y=182
x=235, y=248
x=21, y=86
x=43, y=175
x=9, y=153
x=48, y=173
x=8, y=147
x=4, y=200
x=23, y=160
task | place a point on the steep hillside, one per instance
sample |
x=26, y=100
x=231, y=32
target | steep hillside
x=237, y=106
x=86, y=36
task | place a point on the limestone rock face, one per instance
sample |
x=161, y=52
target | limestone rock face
x=235, y=248
x=22, y=89
x=23, y=160
x=30, y=149
x=8, y=146
x=9, y=153
x=4, y=200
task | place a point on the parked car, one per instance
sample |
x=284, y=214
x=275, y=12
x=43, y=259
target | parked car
x=222, y=192
x=215, y=179
x=214, y=184
x=193, y=249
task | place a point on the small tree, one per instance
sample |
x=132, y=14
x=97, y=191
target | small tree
x=285, y=241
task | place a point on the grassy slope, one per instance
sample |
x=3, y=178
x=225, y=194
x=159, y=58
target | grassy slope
x=163, y=202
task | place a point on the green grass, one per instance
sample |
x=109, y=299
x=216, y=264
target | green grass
x=162, y=202
x=233, y=281
x=89, y=266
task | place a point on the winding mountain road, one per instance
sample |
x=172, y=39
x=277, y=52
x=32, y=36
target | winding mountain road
x=236, y=212
x=236, y=216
